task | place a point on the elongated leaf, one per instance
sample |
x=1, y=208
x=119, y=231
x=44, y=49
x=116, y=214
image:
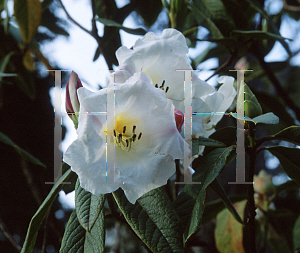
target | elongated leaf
x=259, y=34
x=267, y=118
x=77, y=240
x=153, y=219
x=296, y=234
x=289, y=159
x=212, y=26
x=202, y=141
x=136, y=31
x=291, y=134
x=190, y=202
x=228, y=232
x=40, y=214
x=28, y=14
x=88, y=206
x=212, y=208
x=221, y=193
x=28, y=157
x=6, y=75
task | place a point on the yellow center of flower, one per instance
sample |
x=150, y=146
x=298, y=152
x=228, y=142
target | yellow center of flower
x=125, y=131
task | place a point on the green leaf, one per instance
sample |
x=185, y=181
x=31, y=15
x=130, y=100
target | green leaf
x=190, y=202
x=289, y=185
x=291, y=134
x=40, y=214
x=289, y=159
x=228, y=232
x=77, y=240
x=88, y=206
x=28, y=15
x=136, y=31
x=28, y=157
x=267, y=118
x=258, y=34
x=72, y=178
x=296, y=235
x=215, y=185
x=153, y=219
x=202, y=141
x=149, y=12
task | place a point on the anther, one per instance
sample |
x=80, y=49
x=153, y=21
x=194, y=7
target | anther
x=120, y=138
x=127, y=143
x=167, y=89
x=133, y=137
x=140, y=135
x=156, y=85
x=133, y=129
x=163, y=83
x=115, y=133
x=124, y=129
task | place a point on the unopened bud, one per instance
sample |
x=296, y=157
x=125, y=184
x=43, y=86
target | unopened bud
x=179, y=118
x=72, y=102
x=263, y=183
x=251, y=105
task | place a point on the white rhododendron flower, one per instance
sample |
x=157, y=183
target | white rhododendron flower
x=211, y=107
x=143, y=131
x=160, y=57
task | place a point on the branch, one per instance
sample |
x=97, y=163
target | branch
x=9, y=236
x=223, y=66
x=93, y=33
x=280, y=91
x=290, y=7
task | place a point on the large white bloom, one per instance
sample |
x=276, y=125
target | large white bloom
x=160, y=57
x=143, y=131
x=210, y=108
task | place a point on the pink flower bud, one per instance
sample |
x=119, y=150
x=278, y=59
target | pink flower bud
x=179, y=118
x=72, y=103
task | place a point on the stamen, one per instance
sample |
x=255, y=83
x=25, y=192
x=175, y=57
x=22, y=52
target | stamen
x=127, y=143
x=133, y=137
x=163, y=83
x=124, y=129
x=167, y=89
x=140, y=135
x=115, y=133
x=156, y=85
x=120, y=138
x=133, y=129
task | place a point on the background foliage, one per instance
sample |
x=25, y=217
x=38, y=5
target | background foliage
x=241, y=33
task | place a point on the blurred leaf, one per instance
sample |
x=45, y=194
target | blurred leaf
x=135, y=31
x=77, y=240
x=53, y=23
x=149, y=12
x=202, y=141
x=200, y=13
x=28, y=16
x=290, y=185
x=215, y=185
x=277, y=242
x=28, y=157
x=190, y=202
x=45, y=4
x=296, y=235
x=6, y=75
x=267, y=118
x=153, y=219
x=291, y=134
x=97, y=53
x=258, y=34
x=88, y=206
x=212, y=208
x=40, y=214
x=254, y=4
x=289, y=159
x=228, y=232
